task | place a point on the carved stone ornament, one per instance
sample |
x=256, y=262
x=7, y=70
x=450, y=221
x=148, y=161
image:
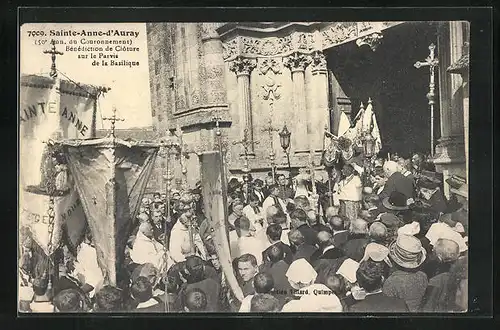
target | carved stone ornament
x=373, y=40
x=230, y=48
x=338, y=33
x=242, y=66
x=318, y=61
x=269, y=64
x=270, y=90
x=297, y=62
x=303, y=42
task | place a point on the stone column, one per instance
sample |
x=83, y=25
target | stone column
x=243, y=67
x=320, y=115
x=450, y=152
x=214, y=80
x=297, y=64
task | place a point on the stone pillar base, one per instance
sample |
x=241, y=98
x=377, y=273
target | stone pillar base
x=450, y=159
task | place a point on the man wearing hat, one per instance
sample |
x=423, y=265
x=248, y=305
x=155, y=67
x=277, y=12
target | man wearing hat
x=407, y=281
x=396, y=182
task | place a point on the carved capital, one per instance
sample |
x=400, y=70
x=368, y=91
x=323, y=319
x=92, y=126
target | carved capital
x=242, y=66
x=297, y=62
x=269, y=64
x=318, y=61
x=372, y=40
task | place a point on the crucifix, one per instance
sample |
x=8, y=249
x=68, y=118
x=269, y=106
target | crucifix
x=432, y=62
x=246, y=143
x=53, y=52
x=272, y=156
x=113, y=119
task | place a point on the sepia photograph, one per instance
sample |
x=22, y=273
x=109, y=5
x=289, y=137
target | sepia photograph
x=243, y=167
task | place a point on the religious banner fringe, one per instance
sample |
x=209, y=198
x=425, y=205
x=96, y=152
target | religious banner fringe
x=110, y=219
x=212, y=191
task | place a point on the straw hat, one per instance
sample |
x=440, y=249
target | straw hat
x=407, y=252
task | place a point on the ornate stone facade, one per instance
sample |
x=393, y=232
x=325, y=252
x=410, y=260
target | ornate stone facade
x=260, y=76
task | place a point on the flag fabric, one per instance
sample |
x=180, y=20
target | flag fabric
x=216, y=212
x=111, y=205
x=39, y=122
x=344, y=124
x=50, y=108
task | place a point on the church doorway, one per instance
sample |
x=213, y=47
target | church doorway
x=398, y=90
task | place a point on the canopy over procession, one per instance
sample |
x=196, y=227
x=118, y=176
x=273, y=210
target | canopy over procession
x=364, y=231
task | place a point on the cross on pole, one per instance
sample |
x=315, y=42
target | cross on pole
x=272, y=156
x=432, y=62
x=113, y=119
x=53, y=52
x=246, y=143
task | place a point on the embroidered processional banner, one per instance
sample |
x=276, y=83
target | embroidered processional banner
x=111, y=178
x=216, y=212
x=50, y=108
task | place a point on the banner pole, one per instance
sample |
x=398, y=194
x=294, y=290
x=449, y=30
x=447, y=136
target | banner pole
x=165, y=238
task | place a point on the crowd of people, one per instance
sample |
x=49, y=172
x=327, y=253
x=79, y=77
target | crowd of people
x=383, y=240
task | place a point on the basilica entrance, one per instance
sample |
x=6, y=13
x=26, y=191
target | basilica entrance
x=387, y=75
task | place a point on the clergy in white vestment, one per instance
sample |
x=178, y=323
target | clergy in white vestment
x=87, y=268
x=271, y=200
x=350, y=192
x=254, y=213
x=180, y=237
x=146, y=249
x=246, y=242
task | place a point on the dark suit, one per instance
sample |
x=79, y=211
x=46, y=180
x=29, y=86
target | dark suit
x=211, y=288
x=331, y=253
x=310, y=235
x=397, y=182
x=320, y=227
x=287, y=252
x=304, y=251
x=339, y=238
x=157, y=308
x=278, y=272
x=354, y=248
x=379, y=302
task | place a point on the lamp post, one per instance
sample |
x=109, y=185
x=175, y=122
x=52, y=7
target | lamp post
x=285, y=143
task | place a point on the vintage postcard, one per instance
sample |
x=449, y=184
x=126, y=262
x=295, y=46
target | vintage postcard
x=243, y=167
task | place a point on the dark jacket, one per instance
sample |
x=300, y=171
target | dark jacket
x=397, y=182
x=310, y=235
x=278, y=272
x=340, y=238
x=159, y=307
x=210, y=287
x=379, y=303
x=331, y=253
x=354, y=248
x=304, y=251
x=287, y=252
x=320, y=227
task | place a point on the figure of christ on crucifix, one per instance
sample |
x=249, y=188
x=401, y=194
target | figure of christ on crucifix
x=272, y=156
x=246, y=143
x=432, y=62
x=53, y=52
